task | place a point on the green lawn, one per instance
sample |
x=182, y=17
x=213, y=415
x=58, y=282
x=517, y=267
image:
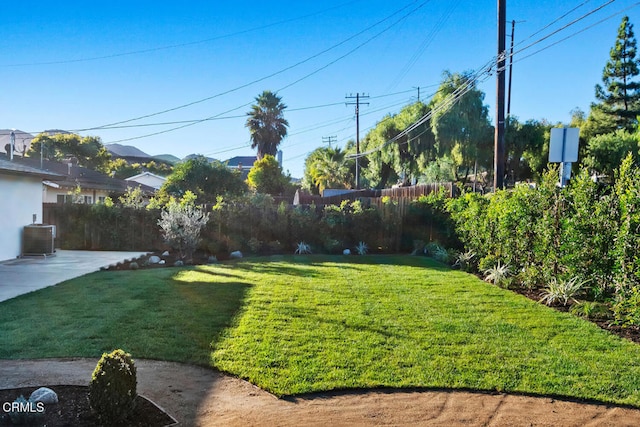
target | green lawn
x=300, y=324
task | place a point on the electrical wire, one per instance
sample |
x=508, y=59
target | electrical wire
x=564, y=27
x=281, y=71
x=423, y=46
x=180, y=45
x=552, y=23
x=485, y=72
x=577, y=32
x=282, y=88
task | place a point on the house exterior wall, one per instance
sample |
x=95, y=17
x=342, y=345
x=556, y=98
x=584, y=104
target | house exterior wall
x=22, y=197
x=50, y=195
x=150, y=180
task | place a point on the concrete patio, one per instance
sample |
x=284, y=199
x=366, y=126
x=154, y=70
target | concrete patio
x=24, y=275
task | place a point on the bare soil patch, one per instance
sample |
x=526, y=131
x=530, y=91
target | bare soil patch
x=197, y=396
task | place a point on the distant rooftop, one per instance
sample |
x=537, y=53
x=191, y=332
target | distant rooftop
x=14, y=168
x=245, y=161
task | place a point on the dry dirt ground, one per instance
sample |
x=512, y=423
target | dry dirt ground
x=197, y=396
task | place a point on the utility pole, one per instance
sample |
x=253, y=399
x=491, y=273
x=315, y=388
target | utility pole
x=329, y=140
x=513, y=28
x=499, y=142
x=357, y=104
x=417, y=87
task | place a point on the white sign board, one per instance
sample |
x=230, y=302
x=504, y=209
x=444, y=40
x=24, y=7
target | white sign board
x=564, y=145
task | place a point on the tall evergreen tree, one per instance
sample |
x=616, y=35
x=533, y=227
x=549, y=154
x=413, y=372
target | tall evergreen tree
x=267, y=124
x=619, y=95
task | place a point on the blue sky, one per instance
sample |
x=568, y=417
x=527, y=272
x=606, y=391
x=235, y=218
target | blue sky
x=79, y=65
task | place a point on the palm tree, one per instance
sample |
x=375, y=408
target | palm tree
x=267, y=124
x=328, y=168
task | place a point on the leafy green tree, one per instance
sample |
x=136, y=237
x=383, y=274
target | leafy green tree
x=403, y=158
x=88, y=150
x=606, y=152
x=159, y=168
x=462, y=131
x=121, y=169
x=266, y=123
x=527, y=148
x=328, y=168
x=132, y=198
x=265, y=176
x=619, y=96
x=206, y=180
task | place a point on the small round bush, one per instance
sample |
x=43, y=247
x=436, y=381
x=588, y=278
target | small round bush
x=112, y=390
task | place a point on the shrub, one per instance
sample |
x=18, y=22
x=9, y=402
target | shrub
x=112, y=390
x=20, y=417
x=332, y=246
x=362, y=248
x=437, y=252
x=181, y=224
x=464, y=261
x=562, y=291
x=591, y=310
x=303, y=248
x=627, y=308
x=497, y=274
x=255, y=245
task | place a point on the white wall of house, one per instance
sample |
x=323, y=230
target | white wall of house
x=21, y=198
x=52, y=194
x=150, y=179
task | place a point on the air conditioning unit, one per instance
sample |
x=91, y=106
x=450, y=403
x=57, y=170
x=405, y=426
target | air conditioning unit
x=38, y=239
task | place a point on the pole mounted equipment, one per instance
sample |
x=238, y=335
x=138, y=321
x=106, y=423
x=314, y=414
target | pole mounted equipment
x=357, y=97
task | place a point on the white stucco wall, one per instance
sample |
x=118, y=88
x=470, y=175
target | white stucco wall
x=21, y=198
x=50, y=194
x=148, y=179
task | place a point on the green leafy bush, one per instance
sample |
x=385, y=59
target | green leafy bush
x=112, y=390
x=591, y=310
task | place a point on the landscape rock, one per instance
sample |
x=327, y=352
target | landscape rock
x=162, y=262
x=212, y=260
x=154, y=259
x=179, y=263
x=44, y=395
x=235, y=254
x=165, y=253
x=346, y=252
x=134, y=266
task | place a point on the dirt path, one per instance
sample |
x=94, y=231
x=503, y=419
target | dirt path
x=198, y=396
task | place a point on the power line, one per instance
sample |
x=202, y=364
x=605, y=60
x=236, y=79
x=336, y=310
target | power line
x=189, y=104
x=578, y=32
x=564, y=27
x=423, y=46
x=179, y=45
x=282, y=88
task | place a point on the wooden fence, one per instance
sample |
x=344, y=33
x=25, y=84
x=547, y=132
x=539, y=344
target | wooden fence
x=402, y=195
